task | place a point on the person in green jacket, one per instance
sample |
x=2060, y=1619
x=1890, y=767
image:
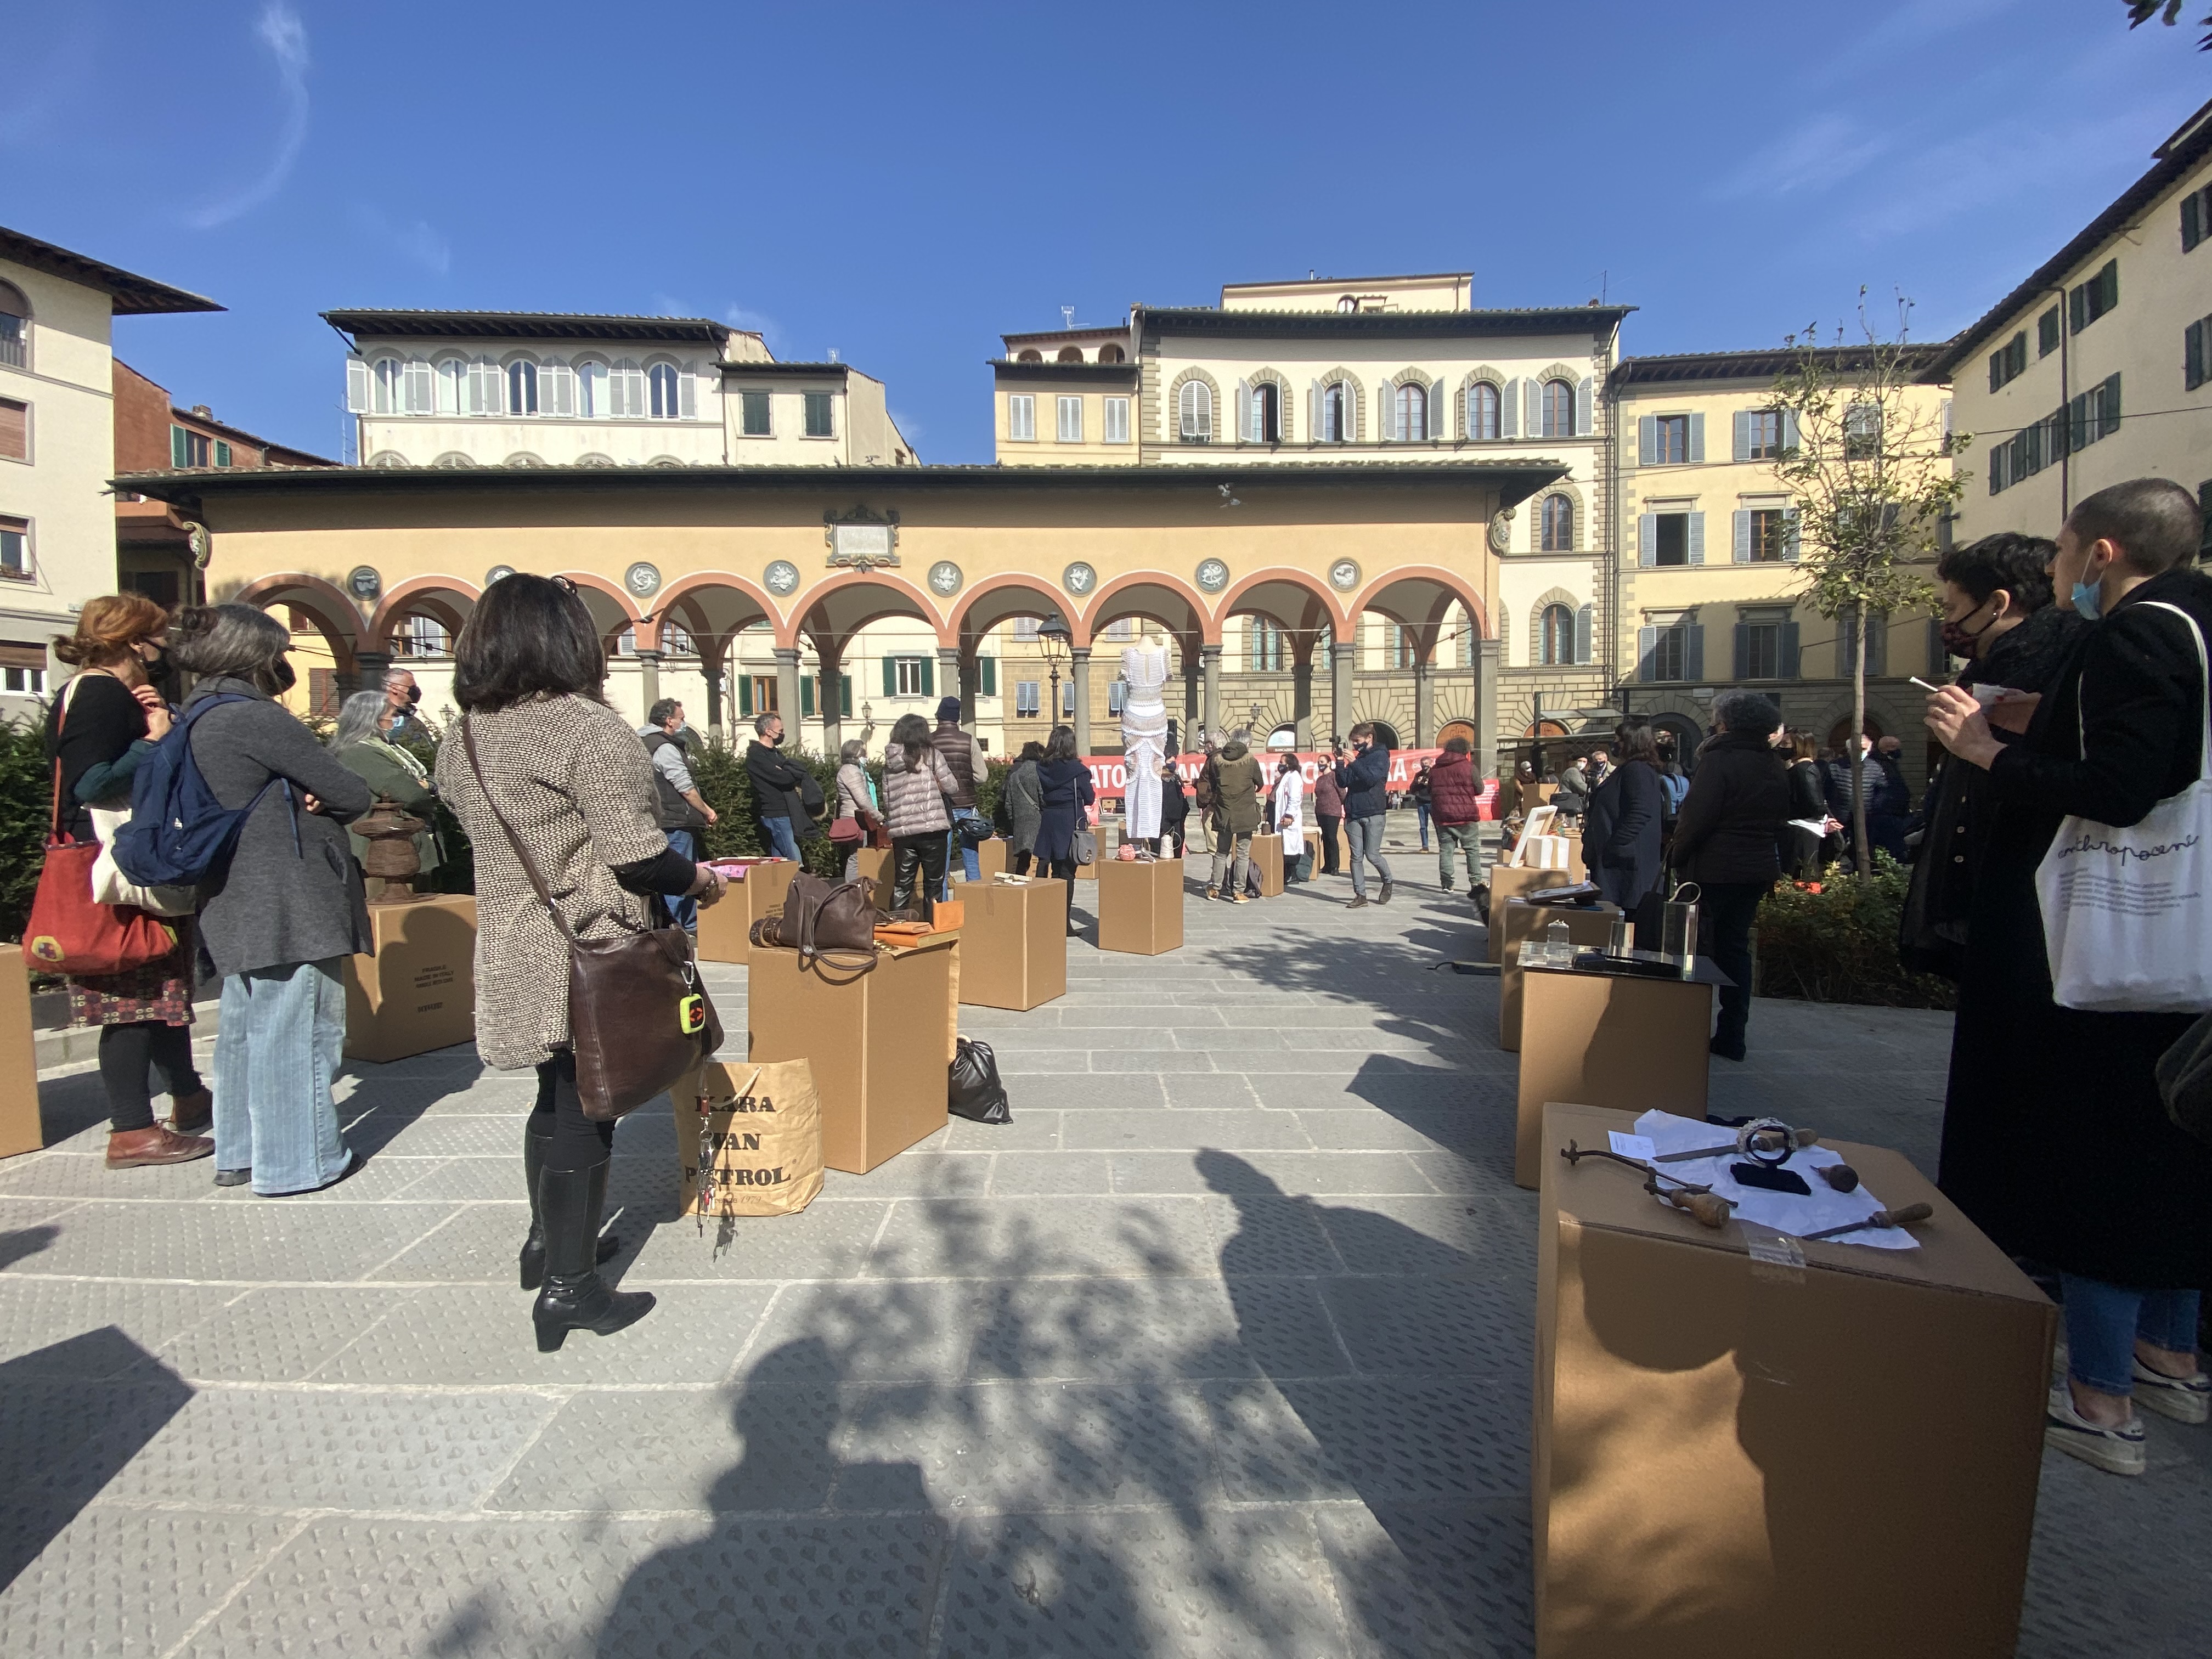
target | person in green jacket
x=1240, y=782
x=359, y=745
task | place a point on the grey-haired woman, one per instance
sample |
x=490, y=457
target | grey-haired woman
x=280, y=920
x=390, y=771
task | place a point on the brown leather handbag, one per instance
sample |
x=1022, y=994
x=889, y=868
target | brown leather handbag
x=638, y=1017
x=819, y=918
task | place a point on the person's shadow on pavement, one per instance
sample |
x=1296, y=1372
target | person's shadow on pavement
x=1431, y=1434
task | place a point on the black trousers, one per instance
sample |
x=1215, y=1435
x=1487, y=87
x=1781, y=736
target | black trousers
x=1726, y=913
x=1022, y=861
x=1329, y=829
x=126, y=1053
x=573, y=1140
x=911, y=854
x=1064, y=870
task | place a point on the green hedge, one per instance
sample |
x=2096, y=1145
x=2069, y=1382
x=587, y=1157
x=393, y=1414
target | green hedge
x=1835, y=941
x=25, y=800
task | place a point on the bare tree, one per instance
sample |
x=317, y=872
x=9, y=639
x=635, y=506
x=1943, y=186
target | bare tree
x=2167, y=12
x=1872, y=473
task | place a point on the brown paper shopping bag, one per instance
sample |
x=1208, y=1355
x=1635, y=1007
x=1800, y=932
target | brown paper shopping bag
x=750, y=1138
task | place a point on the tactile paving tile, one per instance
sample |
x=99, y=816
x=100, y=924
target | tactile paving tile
x=292, y=1449
x=449, y=1134
x=1433, y=1582
x=1024, y=1238
x=1126, y=1329
x=1432, y=1237
x=824, y=1240
x=277, y=1334
x=874, y=1330
x=78, y=1175
x=128, y=1583
x=1187, y=1128
x=1255, y=1234
x=1434, y=1439
x=1152, y=1582
x=769, y=1445
x=62, y=1441
x=37, y=1316
x=265, y=1239
x=1432, y=1324
x=1030, y=1174
x=2128, y=1583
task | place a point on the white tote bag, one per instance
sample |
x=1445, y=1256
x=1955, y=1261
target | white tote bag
x=2124, y=909
x=109, y=885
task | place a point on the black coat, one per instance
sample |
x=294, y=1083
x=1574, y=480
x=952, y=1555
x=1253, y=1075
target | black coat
x=776, y=778
x=1959, y=804
x=1733, y=824
x=1064, y=786
x=1620, y=835
x=2055, y=1142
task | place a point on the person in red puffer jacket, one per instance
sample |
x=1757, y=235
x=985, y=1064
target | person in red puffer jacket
x=1456, y=804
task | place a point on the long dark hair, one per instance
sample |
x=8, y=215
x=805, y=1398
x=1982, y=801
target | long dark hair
x=1634, y=741
x=530, y=637
x=1060, y=745
x=911, y=734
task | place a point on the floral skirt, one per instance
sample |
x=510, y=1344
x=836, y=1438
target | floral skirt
x=161, y=992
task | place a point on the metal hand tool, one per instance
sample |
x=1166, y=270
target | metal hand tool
x=1905, y=1216
x=1759, y=1140
x=1709, y=1209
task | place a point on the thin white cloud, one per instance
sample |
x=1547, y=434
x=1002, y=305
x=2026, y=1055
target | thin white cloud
x=1910, y=27
x=667, y=305
x=55, y=87
x=417, y=241
x=1818, y=156
x=286, y=37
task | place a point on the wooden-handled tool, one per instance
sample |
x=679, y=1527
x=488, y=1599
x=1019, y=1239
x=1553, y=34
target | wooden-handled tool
x=1709, y=1209
x=1906, y=1217
x=1707, y=1206
x=1759, y=1141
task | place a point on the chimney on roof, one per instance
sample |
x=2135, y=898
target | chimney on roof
x=203, y=411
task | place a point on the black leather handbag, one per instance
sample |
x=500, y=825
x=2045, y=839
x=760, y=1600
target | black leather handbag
x=974, y=1091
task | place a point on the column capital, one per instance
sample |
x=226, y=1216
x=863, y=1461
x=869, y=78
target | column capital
x=372, y=661
x=787, y=653
x=1210, y=653
x=1079, y=653
x=650, y=656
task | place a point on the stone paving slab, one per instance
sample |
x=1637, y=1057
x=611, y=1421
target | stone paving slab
x=1222, y=1347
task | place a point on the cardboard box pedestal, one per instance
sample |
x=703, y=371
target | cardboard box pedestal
x=20, y=1130
x=1507, y=883
x=878, y=868
x=879, y=1042
x=1016, y=951
x=994, y=858
x=419, y=991
x=1140, y=905
x=1720, y=1466
x=1523, y=921
x=1267, y=853
x=726, y=929
x=1611, y=1040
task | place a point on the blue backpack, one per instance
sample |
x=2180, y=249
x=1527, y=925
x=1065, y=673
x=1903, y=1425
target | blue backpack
x=180, y=834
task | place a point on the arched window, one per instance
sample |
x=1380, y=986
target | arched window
x=387, y=393
x=1346, y=302
x=557, y=389
x=389, y=457
x=1336, y=407
x=522, y=387
x=1267, y=414
x=595, y=458
x=1558, y=409
x=524, y=457
x=1194, y=412
x=14, y=327
x=487, y=388
x=1555, y=636
x=1031, y=355
x=592, y=389
x=626, y=391
x=1557, y=530
x=453, y=378
x=1412, y=413
x=1482, y=412
x=667, y=394
x=452, y=458
x=1109, y=353
x=1071, y=354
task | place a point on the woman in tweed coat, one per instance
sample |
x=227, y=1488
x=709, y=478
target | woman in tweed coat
x=573, y=785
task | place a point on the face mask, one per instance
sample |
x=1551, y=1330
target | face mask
x=413, y=696
x=1958, y=641
x=158, y=664
x=286, y=679
x=2086, y=599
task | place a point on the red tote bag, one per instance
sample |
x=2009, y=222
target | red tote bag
x=68, y=931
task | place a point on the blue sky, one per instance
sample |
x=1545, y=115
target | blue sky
x=902, y=183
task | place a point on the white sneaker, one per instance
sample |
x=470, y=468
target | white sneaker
x=2117, y=1451
x=2183, y=1399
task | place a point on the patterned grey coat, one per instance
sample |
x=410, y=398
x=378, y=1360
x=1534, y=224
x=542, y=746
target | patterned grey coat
x=575, y=781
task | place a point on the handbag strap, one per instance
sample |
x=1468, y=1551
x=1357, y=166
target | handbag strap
x=521, y=852
x=2204, y=680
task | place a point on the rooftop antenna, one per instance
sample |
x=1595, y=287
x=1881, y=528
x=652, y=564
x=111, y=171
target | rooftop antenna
x=1067, y=316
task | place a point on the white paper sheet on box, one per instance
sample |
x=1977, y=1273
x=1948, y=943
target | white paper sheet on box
x=1785, y=1212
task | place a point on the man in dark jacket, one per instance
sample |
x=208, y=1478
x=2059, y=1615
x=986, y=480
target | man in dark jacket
x=1365, y=782
x=1455, y=803
x=965, y=760
x=679, y=809
x=1729, y=839
x=776, y=778
x=1237, y=778
x=1621, y=834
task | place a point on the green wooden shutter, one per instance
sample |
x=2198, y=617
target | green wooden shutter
x=891, y=677
x=1792, y=652
x=221, y=453
x=176, y=445
x=2193, y=224
x=746, y=695
x=845, y=696
x=1742, y=652
x=988, y=668
x=1694, y=655
x=807, y=698
x=928, y=676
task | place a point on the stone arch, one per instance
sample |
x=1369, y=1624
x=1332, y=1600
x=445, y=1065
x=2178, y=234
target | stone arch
x=611, y=609
x=1550, y=596
x=1421, y=596
x=1578, y=539
x=711, y=605
x=1171, y=408
x=1284, y=398
x=1565, y=372
x=840, y=605
x=999, y=599
x=446, y=600
x=1355, y=397
x=389, y=457
x=1147, y=593
x=1480, y=374
x=336, y=617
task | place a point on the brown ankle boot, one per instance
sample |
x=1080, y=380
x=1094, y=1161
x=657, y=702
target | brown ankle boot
x=135, y=1147
x=193, y=1114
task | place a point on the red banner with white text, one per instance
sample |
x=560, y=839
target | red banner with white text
x=1109, y=774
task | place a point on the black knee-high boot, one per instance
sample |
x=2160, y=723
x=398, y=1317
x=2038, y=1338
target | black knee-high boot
x=575, y=1296
x=534, y=1143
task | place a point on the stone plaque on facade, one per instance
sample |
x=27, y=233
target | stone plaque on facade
x=1344, y=574
x=364, y=582
x=1078, y=579
x=782, y=576
x=1212, y=575
x=861, y=540
x=642, y=580
x=945, y=579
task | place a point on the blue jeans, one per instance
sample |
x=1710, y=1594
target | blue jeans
x=686, y=843
x=971, y=861
x=1362, y=841
x=782, y=839
x=2103, y=1322
x=282, y=1034
x=1421, y=816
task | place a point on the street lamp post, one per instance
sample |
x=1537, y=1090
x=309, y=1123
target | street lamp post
x=1056, y=641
